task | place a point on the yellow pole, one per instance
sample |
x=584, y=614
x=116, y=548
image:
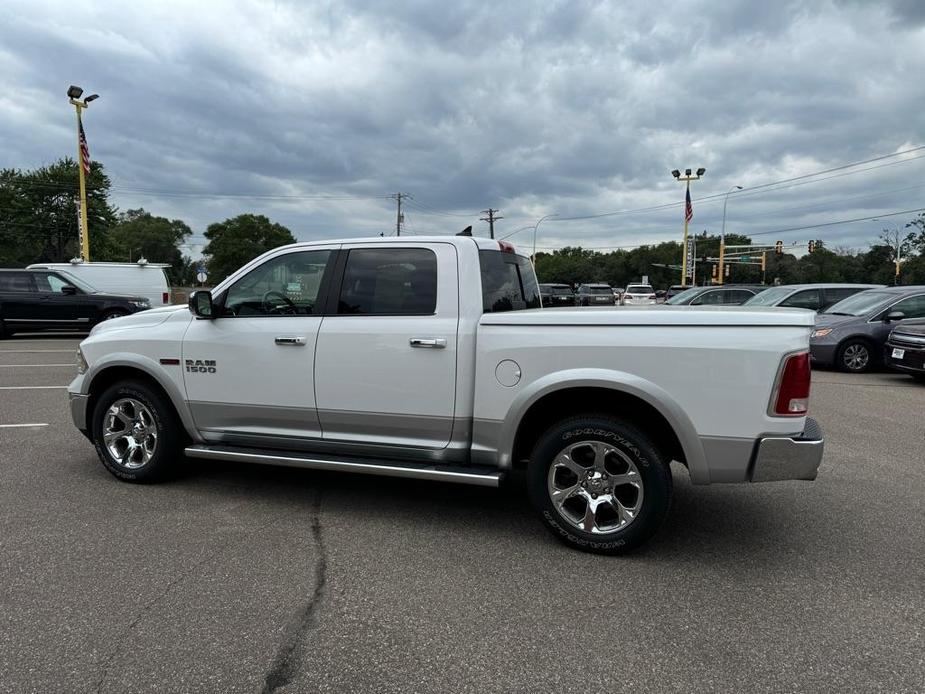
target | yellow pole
x=684, y=245
x=84, y=233
x=722, y=255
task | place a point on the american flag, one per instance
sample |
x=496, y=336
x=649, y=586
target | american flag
x=688, y=208
x=84, y=149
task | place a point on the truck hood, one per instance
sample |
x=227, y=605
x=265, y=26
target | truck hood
x=667, y=315
x=142, y=319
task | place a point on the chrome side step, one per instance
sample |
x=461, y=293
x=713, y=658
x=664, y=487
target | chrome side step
x=458, y=474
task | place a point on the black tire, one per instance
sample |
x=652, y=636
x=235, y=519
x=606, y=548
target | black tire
x=624, y=440
x=847, y=359
x=110, y=314
x=919, y=377
x=167, y=449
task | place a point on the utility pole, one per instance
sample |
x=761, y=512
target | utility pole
x=688, y=212
x=83, y=165
x=399, y=217
x=722, y=235
x=491, y=219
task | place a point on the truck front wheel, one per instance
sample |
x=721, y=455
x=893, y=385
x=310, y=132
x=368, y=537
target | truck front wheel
x=136, y=432
x=599, y=484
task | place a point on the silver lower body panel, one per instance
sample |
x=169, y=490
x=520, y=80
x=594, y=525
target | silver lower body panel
x=789, y=457
x=460, y=475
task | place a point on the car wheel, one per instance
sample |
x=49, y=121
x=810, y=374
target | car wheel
x=855, y=356
x=599, y=484
x=112, y=313
x=136, y=432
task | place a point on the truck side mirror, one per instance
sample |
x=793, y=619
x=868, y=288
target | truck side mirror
x=894, y=316
x=200, y=304
x=69, y=289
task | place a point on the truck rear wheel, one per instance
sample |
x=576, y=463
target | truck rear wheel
x=599, y=484
x=136, y=432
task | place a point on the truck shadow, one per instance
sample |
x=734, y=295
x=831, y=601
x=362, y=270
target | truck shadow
x=724, y=523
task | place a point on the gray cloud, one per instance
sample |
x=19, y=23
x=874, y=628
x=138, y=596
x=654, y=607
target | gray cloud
x=568, y=107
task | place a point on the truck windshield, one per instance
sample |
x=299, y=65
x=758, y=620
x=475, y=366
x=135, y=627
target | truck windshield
x=508, y=282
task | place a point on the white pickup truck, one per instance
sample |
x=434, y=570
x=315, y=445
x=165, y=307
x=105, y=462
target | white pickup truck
x=430, y=357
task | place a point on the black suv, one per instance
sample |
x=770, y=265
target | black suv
x=557, y=295
x=54, y=300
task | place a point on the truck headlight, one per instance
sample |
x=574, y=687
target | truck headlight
x=821, y=332
x=81, y=362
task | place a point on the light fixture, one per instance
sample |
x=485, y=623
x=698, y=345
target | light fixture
x=90, y=98
x=74, y=91
x=687, y=172
x=701, y=171
x=676, y=173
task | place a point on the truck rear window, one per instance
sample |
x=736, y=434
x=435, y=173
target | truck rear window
x=508, y=282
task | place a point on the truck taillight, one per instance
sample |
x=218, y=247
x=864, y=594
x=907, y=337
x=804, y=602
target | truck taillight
x=165, y=296
x=792, y=393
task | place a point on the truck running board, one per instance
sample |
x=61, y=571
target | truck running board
x=444, y=473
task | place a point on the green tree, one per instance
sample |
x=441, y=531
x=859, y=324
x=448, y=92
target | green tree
x=236, y=241
x=38, y=213
x=138, y=233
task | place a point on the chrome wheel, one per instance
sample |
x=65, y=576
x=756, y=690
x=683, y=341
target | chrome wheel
x=856, y=357
x=595, y=487
x=130, y=433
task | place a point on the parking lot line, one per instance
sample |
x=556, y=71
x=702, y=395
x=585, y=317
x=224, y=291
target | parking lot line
x=17, y=426
x=31, y=387
x=15, y=366
x=36, y=351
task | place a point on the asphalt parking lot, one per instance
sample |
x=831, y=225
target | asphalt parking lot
x=250, y=579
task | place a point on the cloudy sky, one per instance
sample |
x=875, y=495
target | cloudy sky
x=313, y=112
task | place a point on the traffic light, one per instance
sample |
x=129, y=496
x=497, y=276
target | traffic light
x=779, y=247
x=727, y=271
x=811, y=246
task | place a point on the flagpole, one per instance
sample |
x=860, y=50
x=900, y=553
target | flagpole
x=688, y=212
x=684, y=244
x=83, y=160
x=84, y=231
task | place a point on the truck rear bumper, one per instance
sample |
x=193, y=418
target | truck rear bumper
x=789, y=457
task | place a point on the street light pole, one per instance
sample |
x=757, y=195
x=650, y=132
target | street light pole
x=722, y=235
x=74, y=93
x=535, y=227
x=686, y=178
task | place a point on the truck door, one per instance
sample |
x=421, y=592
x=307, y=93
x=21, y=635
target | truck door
x=385, y=366
x=248, y=372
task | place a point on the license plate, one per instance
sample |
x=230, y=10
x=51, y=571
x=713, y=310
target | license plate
x=898, y=353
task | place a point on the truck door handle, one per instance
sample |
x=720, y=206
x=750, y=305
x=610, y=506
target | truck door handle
x=290, y=340
x=431, y=342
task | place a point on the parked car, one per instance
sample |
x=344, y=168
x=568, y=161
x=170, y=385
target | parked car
x=675, y=289
x=851, y=334
x=726, y=295
x=557, y=295
x=905, y=349
x=417, y=357
x=638, y=295
x=816, y=297
x=33, y=300
x=136, y=279
x=595, y=295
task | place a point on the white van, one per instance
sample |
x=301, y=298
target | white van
x=134, y=279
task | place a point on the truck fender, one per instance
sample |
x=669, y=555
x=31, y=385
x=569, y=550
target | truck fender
x=610, y=379
x=156, y=372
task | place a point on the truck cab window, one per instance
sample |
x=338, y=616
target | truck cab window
x=286, y=285
x=389, y=282
x=508, y=282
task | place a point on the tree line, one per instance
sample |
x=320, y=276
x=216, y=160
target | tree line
x=39, y=223
x=618, y=268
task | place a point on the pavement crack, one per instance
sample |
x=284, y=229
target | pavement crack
x=288, y=657
x=104, y=673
